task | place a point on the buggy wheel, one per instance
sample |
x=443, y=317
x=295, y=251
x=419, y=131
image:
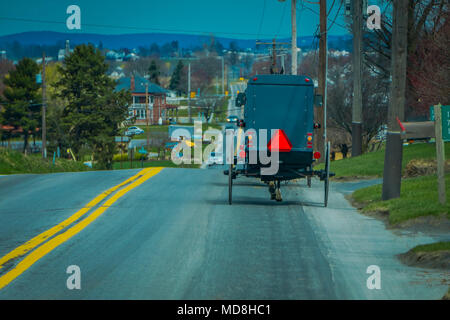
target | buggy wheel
x=327, y=172
x=230, y=184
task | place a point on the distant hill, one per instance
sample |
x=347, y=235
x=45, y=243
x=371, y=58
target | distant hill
x=146, y=39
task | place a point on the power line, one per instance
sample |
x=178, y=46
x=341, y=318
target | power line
x=281, y=20
x=335, y=17
x=138, y=28
x=331, y=7
x=262, y=18
x=312, y=10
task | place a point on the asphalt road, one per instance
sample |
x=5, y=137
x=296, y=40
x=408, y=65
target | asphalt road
x=175, y=237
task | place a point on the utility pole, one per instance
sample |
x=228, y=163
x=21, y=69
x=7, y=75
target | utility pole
x=44, y=102
x=294, y=37
x=320, y=112
x=392, y=175
x=357, y=91
x=189, y=93
x=147, y=115
x=274, y=57
x=223, y=76
x=274, y=44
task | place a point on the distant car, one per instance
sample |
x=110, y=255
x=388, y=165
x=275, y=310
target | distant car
x=214, y=158
x=232, y=119
x=131, y=131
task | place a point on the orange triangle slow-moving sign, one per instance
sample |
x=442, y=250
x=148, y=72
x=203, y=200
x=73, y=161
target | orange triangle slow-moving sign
x=279, y=142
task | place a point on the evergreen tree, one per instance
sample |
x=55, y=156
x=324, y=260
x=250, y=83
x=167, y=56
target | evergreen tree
x=22, y=109
x=154, y=72
x=175, y=80
x=94, y=110
x=154, y=50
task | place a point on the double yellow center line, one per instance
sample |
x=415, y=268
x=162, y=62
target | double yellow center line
x=51, y=244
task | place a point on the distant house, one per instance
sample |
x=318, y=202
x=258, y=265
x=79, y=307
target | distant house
x=131, y=56
x=159, y=110
x=113, y=55
x=117, y=73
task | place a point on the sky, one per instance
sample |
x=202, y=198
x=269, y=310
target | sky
x=243, y=19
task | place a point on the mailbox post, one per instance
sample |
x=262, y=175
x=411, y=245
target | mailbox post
x=439, y=128
x=440, y=154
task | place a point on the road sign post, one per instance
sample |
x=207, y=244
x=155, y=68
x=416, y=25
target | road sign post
x=440, y=154
x=445, y=119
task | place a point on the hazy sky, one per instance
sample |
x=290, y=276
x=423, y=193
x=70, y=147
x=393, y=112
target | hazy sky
x=232, y=18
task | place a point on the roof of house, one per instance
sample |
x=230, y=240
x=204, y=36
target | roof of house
x=139, y=85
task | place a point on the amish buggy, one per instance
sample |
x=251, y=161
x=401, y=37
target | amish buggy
x=278, y=124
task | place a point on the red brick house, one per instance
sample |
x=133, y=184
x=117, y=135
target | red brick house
x=157, y=106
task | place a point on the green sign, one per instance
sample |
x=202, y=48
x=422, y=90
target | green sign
x=445, y=115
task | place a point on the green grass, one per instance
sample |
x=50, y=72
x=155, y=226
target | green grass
x=419, y=197
x=16, y=162
x=372, y=163
x=184, y=113
x=432, y=247
x=152, y=128
x=151, y=163
x=165, y=128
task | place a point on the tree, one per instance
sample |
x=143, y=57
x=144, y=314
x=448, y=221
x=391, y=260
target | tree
x=203, y=71
x=56, y=133
x=6, y=66
x=248, y=62
x=207, y=105
x=429, y=74
x=154, y=72
x=425, y=18
x=339, y=96
x=175, y=80
x=155, y=51
x=261, y=67
x=94, y=110
x=22, y=109
x=233, y=56
x=137, y=67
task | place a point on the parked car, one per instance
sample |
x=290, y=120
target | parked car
x=131, y=131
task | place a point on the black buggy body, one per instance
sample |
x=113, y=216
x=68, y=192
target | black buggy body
x=279, y=106
x=283, y=102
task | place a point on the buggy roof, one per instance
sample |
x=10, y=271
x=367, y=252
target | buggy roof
x=281, y=79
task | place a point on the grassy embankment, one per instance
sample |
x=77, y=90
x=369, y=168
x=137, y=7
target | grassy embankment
x=371, y=164
x=431, y=247
x=16, y=162
x=418, y=195
x=418, y=198
x=432, y=255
